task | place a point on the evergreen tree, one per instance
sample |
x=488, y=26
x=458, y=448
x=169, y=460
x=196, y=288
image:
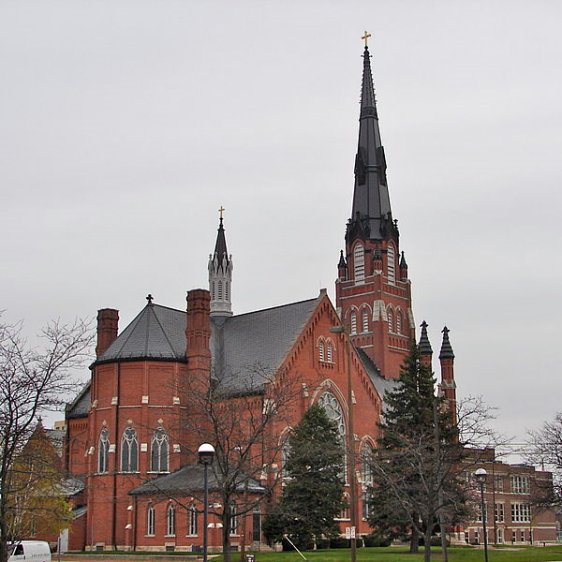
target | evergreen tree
x=312, y=496
x=415, y=466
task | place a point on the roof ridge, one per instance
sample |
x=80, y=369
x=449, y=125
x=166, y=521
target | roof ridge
x=275, y=307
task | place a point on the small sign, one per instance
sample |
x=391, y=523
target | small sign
x=348, y=532
x=352, y=533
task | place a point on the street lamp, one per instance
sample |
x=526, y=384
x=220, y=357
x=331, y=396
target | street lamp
x=206, y=453
x=480, y=475
x=350, y=444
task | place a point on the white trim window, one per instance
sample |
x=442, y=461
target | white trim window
x=171, y=521
x=321, y=350
x=159, y=451
x=390, y=317
x=520, y=484
x=499, y=512
x=150, y=520
x=103, y=451
x=520, y=513
x=329, y=351
x=192, y=521
x=353, y=319
x=233, y=518
x=129, y=451
x=391, y=264
x=359, y=264
x=365, y=320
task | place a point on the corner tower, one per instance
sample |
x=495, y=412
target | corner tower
x=373, y=294
x=220, y=275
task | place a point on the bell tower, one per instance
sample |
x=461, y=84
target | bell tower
x=373, y=294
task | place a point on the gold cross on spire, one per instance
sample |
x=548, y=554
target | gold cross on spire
x=221, y=211
x=365, y=37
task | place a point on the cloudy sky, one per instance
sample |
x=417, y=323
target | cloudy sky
x=125, y=125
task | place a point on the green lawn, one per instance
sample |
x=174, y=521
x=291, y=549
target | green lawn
x=400, y=554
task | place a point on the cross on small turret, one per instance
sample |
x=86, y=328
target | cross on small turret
x=149, y=298
x=221, y=211
x=365, y=37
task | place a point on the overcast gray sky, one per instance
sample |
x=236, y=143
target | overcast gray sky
x=125, y=125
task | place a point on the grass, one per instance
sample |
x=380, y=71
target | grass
x=400, y=554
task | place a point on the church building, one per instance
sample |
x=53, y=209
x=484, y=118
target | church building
x=134, y=430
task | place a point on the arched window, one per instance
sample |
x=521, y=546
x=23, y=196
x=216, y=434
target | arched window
x=391, y=264
x=220, y=291
x=171, y=520
x=192, y=520
x=398, y=321
x=159, y=451
x=233, y=518
x=334, y=411
x=329, y=351
x=366, y=501
x=129, y=451
x=359, y=263
x=103, y=452
x=321, y=350
x=390, y=316
x=214, y=290
x=366, y=465
x=226, y=290
x=345, y=510
x=353, y=323
x=365, y=320
x=150, y=520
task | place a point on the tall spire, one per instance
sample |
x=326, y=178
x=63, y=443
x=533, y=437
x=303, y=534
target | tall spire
x=371, y=213
x=220, y=274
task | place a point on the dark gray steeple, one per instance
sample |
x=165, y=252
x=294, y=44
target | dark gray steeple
x=424, y=346
x=446, y=349
x=371, y=215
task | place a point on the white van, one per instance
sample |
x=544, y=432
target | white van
x=38, y=551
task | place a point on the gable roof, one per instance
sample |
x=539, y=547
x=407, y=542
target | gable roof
x=249, y=348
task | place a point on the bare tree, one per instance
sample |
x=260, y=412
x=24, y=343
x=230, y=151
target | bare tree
x=32, y=381
x=242, y=416
x=545, y=451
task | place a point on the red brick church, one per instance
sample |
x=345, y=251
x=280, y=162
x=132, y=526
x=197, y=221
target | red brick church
x=132, y=433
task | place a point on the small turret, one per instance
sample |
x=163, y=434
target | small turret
x=220, y=275
x=448, y=386
x=342, y=267
x=403, y=268
x=424, y=346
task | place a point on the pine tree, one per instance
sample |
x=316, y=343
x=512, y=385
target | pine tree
x=312, y=496
x=415, y=476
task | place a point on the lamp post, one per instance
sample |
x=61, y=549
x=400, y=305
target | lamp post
x=206, y=454
x=350, y=444
x=480, y=475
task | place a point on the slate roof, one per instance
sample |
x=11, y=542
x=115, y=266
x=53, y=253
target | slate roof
x=157, y=332
x=80, y=406
x=249, y=348
x=190, y=479
x=245, y=349
x=381, y=384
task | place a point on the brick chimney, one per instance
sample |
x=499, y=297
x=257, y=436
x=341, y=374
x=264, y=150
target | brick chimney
x=108, y=324
x=198, y=333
